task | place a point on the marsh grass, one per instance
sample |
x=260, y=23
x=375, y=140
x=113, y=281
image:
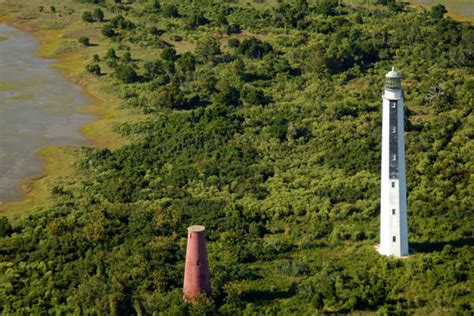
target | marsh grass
x=6, y=87
x=57, y=168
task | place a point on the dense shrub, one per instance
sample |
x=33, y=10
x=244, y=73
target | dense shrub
x=126, y=73
x=232, y=29
x=327, y=7
x=169, y=53
x=93, y=69
x=120, y=22
x=153, y=69
x=87, y=17
x=84, y=41
x=254, y=97
x=98, y=15
x=108, y=31
x=186, y=62
x=208, y=49
x=5, y=227
x=111, y=54
x=155, y=5
x=233, y=42
x=254, y=48
x=169, y=11
x=438, y=11
x=227, y=94
x=196, y=19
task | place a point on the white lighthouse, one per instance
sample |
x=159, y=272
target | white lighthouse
x=393, y=204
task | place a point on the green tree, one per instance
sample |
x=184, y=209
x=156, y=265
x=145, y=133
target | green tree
x=5, y=227
x=327, y=7
x=254, y=96
x=170, y=11
x=111, y=54
x=98, y=15
x=169, y=96
x=169, y=53
x=233, y=42
x=187, y=62
x=438, y=11
x=232, y=29
x=84, y=41
x=154, y=69
x=126, y=73
x=120, y=22
x=108, y=31
x=254, y=48
x=196, y=19
x=292, y=14
x=227, y=94
x=208, y=49
x=156, y=31
x=126, y=57
x=156, y=5
x=93, y=69
x=87, y=17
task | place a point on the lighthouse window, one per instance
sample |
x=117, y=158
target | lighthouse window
x=393, y=184
x=198, y=263
x=394, y=157
x=393, y=211
x=393, y=104
x=394, y=238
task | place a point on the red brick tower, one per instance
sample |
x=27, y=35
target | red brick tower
x=196, y=274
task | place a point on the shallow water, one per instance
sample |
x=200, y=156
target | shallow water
x=37, y=109
x=459, y=7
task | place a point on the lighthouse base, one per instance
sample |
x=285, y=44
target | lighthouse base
x=377, y=247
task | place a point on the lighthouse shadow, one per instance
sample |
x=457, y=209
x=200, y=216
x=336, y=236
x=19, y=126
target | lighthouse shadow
x=268, y=295
x=430, y=247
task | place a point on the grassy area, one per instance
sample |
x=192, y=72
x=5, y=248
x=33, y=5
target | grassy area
x=5, y=86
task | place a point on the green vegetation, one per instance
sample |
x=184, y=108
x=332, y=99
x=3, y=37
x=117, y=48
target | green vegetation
x=267, y=133
x=84, y=41
x=93, y=69
x=438, y=11
x=98, y=15
x=87, y=17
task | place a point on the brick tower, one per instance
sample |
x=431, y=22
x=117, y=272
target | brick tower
x=196, y=274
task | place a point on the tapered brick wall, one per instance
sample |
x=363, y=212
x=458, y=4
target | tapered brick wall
x=196, y=274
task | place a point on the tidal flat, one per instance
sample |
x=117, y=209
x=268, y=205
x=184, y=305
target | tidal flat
x=38, y=108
